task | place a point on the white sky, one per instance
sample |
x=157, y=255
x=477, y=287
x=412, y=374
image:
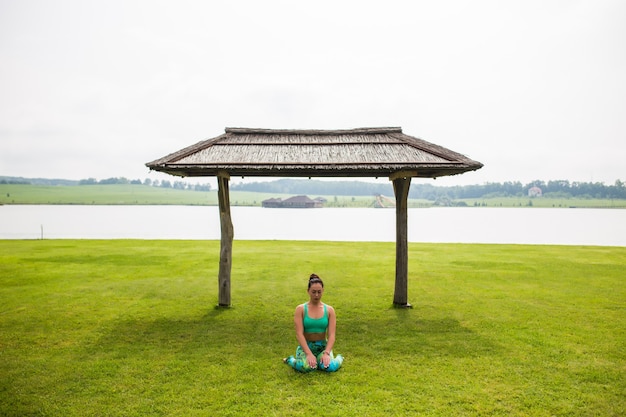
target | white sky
x=533, y=89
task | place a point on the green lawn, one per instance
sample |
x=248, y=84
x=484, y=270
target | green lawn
x=130, y=328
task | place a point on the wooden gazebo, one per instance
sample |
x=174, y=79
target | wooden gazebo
x=365, y=152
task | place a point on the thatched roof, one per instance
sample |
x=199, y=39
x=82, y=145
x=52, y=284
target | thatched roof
x=365, y=152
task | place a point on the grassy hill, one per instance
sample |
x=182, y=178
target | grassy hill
x=134, y=194
x=128, y=194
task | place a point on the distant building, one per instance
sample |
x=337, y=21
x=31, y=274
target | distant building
x=299, y=201
x=534, y=192
x=271, y=203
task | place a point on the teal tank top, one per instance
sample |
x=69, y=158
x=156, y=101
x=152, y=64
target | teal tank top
x=314, y=325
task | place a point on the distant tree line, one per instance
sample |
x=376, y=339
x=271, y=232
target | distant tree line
x=37, y=181
x=556, y=189
x=179, y=185
x=5, y=181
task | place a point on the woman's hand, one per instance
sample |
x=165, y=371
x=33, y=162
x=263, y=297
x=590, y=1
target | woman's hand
x=325, y=359
x=311, y=360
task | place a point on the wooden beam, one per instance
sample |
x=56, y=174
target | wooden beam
x=401, y=190
x=226, y=246
x=402, y=174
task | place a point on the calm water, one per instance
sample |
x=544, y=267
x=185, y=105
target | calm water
x=603, y=227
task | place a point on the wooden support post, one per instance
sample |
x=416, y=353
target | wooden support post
x=401, y=189
x=226, y=247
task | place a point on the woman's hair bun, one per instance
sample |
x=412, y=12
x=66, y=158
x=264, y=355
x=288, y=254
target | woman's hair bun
x=314, y=279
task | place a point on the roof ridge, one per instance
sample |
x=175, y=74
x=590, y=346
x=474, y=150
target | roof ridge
x=364, y=130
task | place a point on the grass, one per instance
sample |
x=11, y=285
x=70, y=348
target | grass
x=129, y=327
x=102, y=194
x=130, y=194
x=545, y=202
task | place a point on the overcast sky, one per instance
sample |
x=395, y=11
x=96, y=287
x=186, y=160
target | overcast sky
x=532, y=89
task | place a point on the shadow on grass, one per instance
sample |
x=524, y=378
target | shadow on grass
x=223, y=331
x=218, y=331
x=405, y=332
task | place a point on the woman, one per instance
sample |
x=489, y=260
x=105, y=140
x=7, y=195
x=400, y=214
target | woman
x=315, y=331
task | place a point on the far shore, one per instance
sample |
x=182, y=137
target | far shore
x=128, y=194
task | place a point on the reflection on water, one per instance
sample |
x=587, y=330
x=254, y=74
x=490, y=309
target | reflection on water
x=465, y=225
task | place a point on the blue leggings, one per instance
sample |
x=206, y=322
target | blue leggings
x=300, y=364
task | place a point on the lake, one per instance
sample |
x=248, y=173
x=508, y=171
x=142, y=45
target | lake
x=562, y=226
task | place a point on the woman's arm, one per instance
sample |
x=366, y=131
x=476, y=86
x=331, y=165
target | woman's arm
x=297, y=319
x=332, y=325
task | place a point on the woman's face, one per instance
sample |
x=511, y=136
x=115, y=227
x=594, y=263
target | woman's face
x=316, y=291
